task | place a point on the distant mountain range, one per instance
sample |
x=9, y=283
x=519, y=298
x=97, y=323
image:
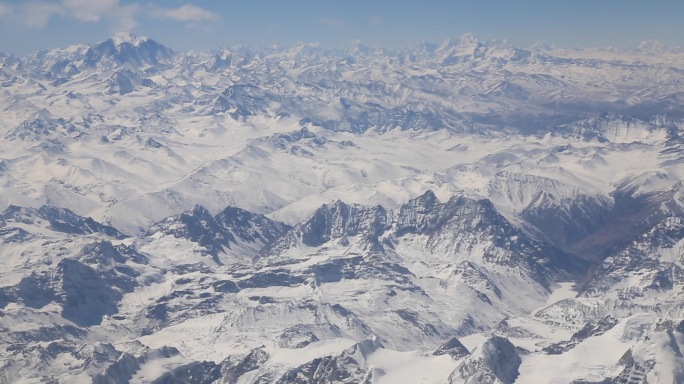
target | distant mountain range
x=468, y=212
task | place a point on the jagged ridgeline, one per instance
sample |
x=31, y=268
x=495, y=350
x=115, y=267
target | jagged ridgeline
x=469, y=212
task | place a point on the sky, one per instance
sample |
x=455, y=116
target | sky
x=27, y=26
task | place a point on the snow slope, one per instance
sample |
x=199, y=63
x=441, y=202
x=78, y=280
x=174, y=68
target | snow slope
x=469, y=212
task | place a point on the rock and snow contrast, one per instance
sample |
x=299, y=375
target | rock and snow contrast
x=469, y=212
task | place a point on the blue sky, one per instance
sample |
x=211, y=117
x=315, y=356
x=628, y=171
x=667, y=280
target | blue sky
x=30, y=25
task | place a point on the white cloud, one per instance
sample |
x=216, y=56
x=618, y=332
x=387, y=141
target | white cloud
x=186, y=12
x=126, y=17
x=90, y=10
x=38, y=13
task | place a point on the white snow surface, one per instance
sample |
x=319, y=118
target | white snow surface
x=129, y=141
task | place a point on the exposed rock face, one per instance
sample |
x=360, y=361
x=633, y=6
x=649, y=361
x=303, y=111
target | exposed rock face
x=127, y=50
x=196, y=225
x=346, y=368
x=85, y=296
x=40, y=127
x=60, y=220
x=105, y=254
x=191, y=373
x=89, y=288
x=462, y=224
x=250, y=227
x=216, y=234
x=453, y=348
x=127, y=366
x=420, y=215
x=658, y=357
x=298, y=336
x=232, y=370
x=589, y=330
x=496, y=361
x=337, y=220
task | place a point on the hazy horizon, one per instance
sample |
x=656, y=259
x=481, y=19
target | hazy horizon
x=26, y=27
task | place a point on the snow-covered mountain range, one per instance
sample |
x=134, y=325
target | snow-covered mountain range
x=468, y=212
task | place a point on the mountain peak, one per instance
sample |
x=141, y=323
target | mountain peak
x=127, y=48
x=652, y=46
x=358, y=47
x=446, y=44
x=199, y=211
x=127, y=37
x=427, y=201
x=467, y=40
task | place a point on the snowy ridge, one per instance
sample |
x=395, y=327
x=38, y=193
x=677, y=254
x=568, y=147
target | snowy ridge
x=468, y=212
